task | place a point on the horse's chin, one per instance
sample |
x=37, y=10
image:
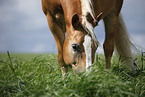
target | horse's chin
x=74, y=65
x=77, y=69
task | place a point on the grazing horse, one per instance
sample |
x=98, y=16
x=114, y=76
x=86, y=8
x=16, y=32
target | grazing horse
x=78, y=18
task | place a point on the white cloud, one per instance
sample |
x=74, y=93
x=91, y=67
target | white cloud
x=139, y=41
x=39, y=48
x=22, y=15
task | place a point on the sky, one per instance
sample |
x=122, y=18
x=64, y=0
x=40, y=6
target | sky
x=24, y=28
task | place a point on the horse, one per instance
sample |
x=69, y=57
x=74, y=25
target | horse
x=78, y=18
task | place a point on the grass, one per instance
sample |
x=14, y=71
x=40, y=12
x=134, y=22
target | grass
x=39, y=75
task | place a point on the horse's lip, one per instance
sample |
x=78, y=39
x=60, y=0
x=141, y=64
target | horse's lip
x=74, y=64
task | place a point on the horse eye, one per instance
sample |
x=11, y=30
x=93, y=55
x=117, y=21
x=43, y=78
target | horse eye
x=76, y=47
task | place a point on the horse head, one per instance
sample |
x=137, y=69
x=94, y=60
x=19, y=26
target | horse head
x=80, y=44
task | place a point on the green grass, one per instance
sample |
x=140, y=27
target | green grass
x=39, y=75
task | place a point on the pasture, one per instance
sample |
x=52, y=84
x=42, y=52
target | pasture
x=39, y=75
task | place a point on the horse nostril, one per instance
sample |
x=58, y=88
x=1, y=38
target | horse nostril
x=75, y=47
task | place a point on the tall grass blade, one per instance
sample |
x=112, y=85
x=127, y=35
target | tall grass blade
x=142, y=60
x=11, y=64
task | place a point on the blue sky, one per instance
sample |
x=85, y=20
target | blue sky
x=24, y=28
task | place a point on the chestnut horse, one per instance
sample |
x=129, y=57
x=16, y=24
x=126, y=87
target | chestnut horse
x=78, y=18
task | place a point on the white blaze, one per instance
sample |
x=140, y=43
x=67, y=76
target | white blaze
x=87, y=8
x=87, y=46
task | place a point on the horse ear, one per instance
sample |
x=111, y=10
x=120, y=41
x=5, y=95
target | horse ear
x=75, y=20
x=98, y=18
x=94, y=21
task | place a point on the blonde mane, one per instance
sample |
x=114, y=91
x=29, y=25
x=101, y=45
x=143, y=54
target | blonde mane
x=88, y=8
